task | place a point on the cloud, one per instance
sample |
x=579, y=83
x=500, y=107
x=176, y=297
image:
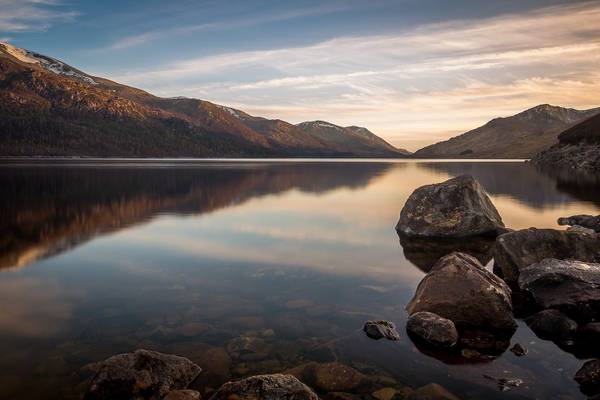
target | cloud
x=446, y=77
x=149, y=36
x=31, y=15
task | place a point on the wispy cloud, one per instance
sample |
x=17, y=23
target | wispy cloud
x=149, y=36
x=436, y=78
x=31, y=15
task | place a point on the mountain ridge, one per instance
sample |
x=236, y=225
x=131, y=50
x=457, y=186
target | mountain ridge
x=49, y=108
x=518, y=136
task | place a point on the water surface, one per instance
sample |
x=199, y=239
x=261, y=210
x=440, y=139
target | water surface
x=245, y=268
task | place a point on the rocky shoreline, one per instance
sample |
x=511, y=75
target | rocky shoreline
x=461, y=312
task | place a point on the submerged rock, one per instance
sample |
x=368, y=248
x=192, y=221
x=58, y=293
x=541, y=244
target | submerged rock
x=514, y=251
x=572, y=287
x=432, y=329
x=329, y=377
x=381, y=329
x=432, y=391
x=588, y=377
x=459, y=207
x=184, y=394
x=585, y=221
x=505, y=384
x=460, y=289
x=552, y=325
x=143, y=374
x=267, y=387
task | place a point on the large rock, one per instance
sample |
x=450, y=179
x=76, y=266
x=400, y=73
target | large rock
x=572, y=287
x=586, y=221
x=516, y=250
x=588, y=377
x=265, y=387
x=460, y=289
x=432, y=329
x=552, y=325
x=459, y=207
x=142, y=374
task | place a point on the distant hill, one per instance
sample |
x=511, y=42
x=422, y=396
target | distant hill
x=520, y=136
x=48, y=108
x=578, y=148
x=354, y=139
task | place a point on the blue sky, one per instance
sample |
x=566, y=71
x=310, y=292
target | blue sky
x=413, y=71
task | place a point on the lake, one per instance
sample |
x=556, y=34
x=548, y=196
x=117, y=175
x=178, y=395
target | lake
x=244, y=267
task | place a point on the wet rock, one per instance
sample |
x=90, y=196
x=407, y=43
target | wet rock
x=329, y=377
x=588, y=377
x=384, y=394
x=183, y=395
x=572, y=287
x=552, y=325
x=425, y=252
x=381, y=329
x=460, y=289
x=518, y=350
x=514, y=251
x=142, y=374
x=581, y=229
x=432, y=391
x=505, y=384
x=585, y=221
x=432, y=329
x=459, y=207
x=271, y=387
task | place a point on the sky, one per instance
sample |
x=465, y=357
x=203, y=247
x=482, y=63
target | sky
x=413, y=71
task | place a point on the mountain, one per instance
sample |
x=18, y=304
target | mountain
x=48, y=108
x=354, y=139
x=520, y=136
x=578, y=148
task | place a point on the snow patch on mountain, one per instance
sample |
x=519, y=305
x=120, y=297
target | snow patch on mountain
x=48, y=63
x=231, y=111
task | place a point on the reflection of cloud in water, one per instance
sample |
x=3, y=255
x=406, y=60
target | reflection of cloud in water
x=32, y=307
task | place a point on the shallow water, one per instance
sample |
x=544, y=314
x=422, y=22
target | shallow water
x=244, y=267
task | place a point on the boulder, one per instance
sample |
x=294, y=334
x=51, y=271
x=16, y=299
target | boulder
x=381, y=329
x=183, y=394
x=432, y=391
x=588, y=377
x=585, y=221
x=142, y=374
x=572, y=287
x=432, y=329
x=552, y=325
x=460, y=289
x=516, y=250
x=457, y=208
x=266, y=387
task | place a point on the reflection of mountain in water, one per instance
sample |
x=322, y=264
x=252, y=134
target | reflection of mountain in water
x=48, y=210
x=582, y=185
x=518, y=180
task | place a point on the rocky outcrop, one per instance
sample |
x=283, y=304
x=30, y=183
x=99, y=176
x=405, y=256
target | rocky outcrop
x=585, y=221
x=267, y=387
x=381, y=329
x=457, y=208
x=516, y=250
x=433, y=329
x=572, y=287
x=142, y=374
x=460, y=289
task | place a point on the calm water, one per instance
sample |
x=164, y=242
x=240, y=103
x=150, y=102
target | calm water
x=243, y=267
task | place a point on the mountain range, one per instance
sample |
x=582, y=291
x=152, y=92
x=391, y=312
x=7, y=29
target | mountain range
x=48, y=108
x=520, y=136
